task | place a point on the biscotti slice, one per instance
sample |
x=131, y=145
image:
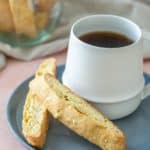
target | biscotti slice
x=47, y=66
x=45, y=5
x=82, y=118
x=43, y=12
x=38, y=84
x=35, y=120
x=23, y=17
x=41, y=19
x=35, y=114
x=6, y=21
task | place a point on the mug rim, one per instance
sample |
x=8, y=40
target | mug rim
x=106, y=15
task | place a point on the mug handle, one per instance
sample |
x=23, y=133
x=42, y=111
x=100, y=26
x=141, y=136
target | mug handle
x=146, y=41
x=146, y=54
x=146, y=90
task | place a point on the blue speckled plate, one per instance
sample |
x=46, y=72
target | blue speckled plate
x=135, y=126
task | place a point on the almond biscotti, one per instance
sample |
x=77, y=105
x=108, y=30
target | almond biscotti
x=6, y=20
x=35, y=120
x=35, y=115
x=43, y=11
x=45, y=5
x=81, y=117
x=41, y=19
x=23, y=17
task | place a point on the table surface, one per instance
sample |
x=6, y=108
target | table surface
x=15, y=72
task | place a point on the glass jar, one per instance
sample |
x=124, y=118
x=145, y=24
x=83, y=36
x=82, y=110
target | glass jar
x=46, y=23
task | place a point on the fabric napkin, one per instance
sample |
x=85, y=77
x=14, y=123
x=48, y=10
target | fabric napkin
x=75, y=9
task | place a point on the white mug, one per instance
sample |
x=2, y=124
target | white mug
x=111, y=78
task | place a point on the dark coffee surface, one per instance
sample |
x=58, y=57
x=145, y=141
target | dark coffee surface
x=106, y=39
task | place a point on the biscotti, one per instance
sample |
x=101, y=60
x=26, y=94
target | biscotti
x=35, y=115
x=23, y=17
x=45, y=5
x=82, y=118
x=6, y=21
x=47, y=66
x=35, y=120
x=41, y=19
x=43, y=13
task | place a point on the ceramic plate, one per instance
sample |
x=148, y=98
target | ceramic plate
x=136, y=126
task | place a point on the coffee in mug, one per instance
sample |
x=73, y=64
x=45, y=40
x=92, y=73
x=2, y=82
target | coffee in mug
x=106, y=39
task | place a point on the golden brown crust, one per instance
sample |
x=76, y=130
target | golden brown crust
x=23, y=17
x=40, y=140
x=35, y=115
x=47, y=66
x=6, y=21
x=43, y=12
x=41, y=19
x=93, y=126
x=35, y=120
x=45, y=5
